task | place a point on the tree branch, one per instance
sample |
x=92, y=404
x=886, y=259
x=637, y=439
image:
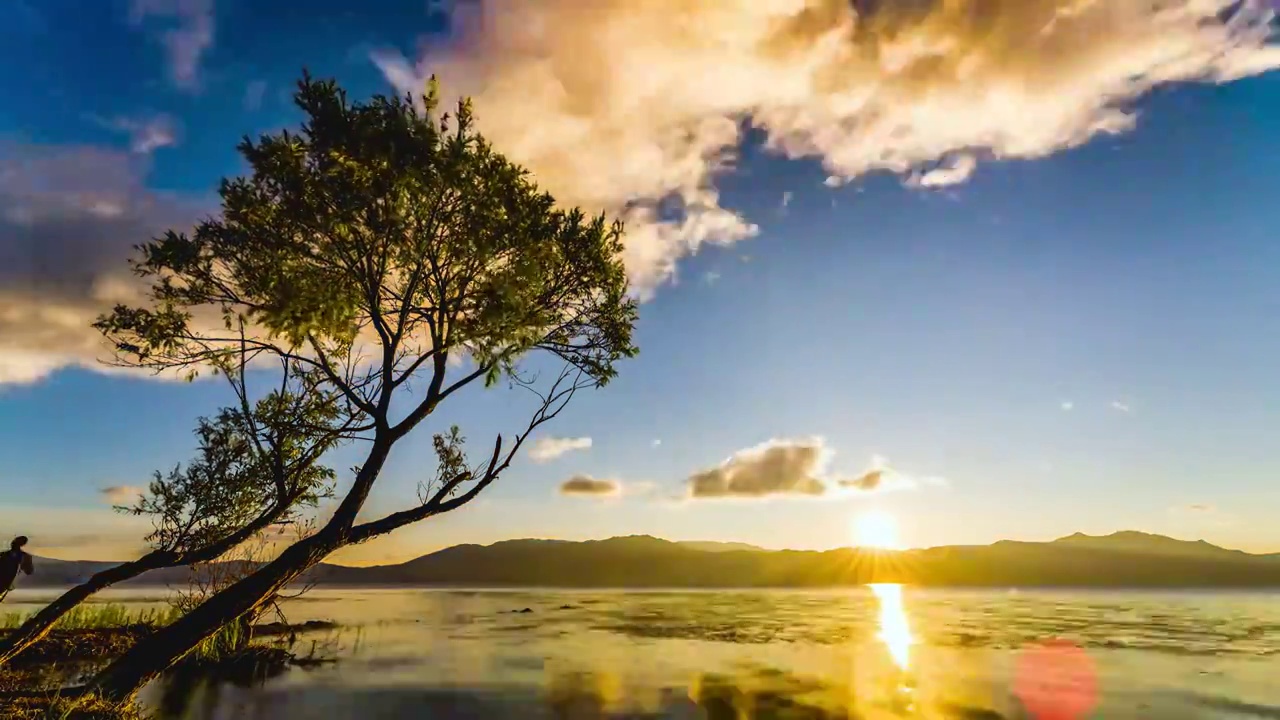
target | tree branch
x=343, y=386
x=553, y=402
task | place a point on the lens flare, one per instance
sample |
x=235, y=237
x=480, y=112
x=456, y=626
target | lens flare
x=1056, y=680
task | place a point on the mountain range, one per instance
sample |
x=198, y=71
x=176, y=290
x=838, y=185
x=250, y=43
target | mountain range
x=1120, y=560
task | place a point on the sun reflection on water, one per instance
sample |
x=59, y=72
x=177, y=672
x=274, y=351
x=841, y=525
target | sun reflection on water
x=894, y=627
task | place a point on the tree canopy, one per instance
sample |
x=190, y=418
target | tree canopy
x=381, y=224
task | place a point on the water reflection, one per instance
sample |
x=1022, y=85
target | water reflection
x=760, y=655
x=894, y=628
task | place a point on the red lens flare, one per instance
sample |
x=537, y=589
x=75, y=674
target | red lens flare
x=1056, y=680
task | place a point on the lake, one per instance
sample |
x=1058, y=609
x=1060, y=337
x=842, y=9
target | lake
x=874, y=652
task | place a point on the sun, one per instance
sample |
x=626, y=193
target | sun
x=876, y=529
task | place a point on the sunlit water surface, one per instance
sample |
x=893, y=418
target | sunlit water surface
x=879, y=652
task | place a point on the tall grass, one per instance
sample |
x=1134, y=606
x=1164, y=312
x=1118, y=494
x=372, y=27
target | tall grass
x=228, y=639
x=100, y=617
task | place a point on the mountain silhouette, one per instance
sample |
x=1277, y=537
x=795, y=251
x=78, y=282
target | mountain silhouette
x=1125, y=559
x=1140, y=542
x=1120, y=560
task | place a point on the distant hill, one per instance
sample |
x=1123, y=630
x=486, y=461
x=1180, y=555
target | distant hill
x=63, y=573
x=1120, y=560
x=1146, y=543
x=719, y=546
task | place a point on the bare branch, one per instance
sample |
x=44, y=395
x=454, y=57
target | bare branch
x=553, y=402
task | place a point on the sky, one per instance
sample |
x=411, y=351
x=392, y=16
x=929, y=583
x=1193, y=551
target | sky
x=1003, y=269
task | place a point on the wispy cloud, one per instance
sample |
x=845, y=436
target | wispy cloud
x=952, y=171
x=924, y=89
x=585, y=485
x=253, y=94
x=121, y=494
x=1068, y=406
x=189, y=37
x=1201, y=514
x=880, y=477
x=146, y=135
x=546, y=449
x=1121, y=407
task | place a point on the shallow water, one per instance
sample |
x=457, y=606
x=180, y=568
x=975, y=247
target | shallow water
x=885, y=652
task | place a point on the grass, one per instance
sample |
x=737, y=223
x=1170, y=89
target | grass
x=29, y=685
x=88, y=707
x=226, y=641
x=100, y=617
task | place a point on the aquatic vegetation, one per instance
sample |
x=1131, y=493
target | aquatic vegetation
x=98, y=617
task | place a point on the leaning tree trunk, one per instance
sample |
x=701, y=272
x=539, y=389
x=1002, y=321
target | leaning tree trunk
x=39, y=625
x=156, y=653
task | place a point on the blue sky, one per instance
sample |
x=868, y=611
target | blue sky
x=1079, y=336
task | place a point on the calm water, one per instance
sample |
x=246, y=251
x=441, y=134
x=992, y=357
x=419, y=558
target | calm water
x=882, y=652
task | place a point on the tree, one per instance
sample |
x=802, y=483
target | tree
x=388, y=255
x=257, y=466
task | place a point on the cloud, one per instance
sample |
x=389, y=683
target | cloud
x=774, y=468
x=636, y=104
x=77, y=534
x=69, y=217
x=253, y=94
x=1121, y=407
x=1068, y=406
x=121, y=494
x=189, y=36
x=546, y=449
x=882, y=478
x=584, y=485
x=952, y=172
x=147, y=136
x=1201, y=514
x=869, y=481
x=656, y=442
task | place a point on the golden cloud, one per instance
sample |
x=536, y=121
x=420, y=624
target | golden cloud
x=623, y=105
